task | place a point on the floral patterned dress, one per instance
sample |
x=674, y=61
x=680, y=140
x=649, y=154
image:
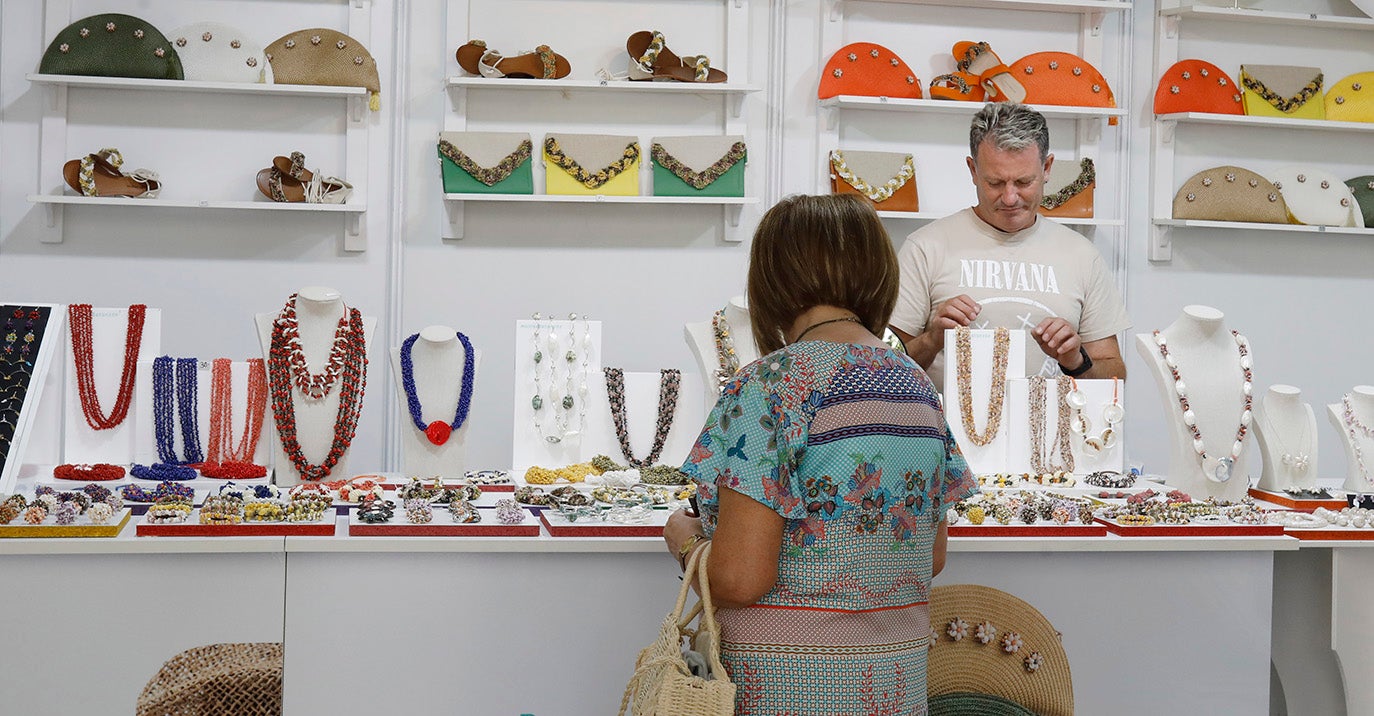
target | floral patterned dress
x=849, y=444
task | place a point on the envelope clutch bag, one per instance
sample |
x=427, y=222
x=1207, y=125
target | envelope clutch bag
x=320, y=56
x=112, y=45
x=698, y=166
x=486, y=162
x=1229, y=193
x=1073, y=197
x=591, y=164
x=1197, y=86
x=1282, y=91
x=867, y=70
x=1352, y=99
x=1316, y=198
x=887, y=179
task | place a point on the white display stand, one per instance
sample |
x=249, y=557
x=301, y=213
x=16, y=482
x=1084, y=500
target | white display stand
x=1209, y=363
x=1286, y=425
x=318, y=310
x=109, y=327
x=641, y=413
x=145, y=448
x=1016, y=418
x=989, y=458
x=41, y=382
x=701, y=339
x=529, y=446
x=437, y=359
x=1362, y=399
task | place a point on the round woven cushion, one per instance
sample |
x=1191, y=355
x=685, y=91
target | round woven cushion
x=975, y=705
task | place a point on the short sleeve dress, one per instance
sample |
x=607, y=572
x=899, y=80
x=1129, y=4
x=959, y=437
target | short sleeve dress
x=848, y=444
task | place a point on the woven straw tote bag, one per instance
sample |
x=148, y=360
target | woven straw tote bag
x=662, y=685
x=238, y=679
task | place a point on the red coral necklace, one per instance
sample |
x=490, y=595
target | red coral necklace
x=83, y=355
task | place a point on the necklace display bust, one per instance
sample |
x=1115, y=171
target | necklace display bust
x=1286, y=429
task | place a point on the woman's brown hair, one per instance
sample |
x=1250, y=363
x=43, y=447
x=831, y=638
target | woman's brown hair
x=809, y=251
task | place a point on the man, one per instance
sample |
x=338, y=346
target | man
x=1000, y=263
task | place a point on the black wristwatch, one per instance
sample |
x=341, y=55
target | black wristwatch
x=1084, y=368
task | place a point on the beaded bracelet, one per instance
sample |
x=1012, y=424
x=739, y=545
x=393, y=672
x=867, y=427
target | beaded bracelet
x=79, y=500
x=304, y=510
x=376, y=510
x=663, y=475
x=99, y=472
x=533, y=496
x=540, y=476
x=1135, y=520
x=419, y=511
x=100, y=513
x=65, y=514
x=509, y=512
x=8, y=512
x=605, y=464
x=415, y=489
x=487, y=477
x=1109, y=478
x=577, y=472
x=257, y=510
x=162, y=472
x=232, y=470
x=97, y=493
x=35, y=514
x=463, y=512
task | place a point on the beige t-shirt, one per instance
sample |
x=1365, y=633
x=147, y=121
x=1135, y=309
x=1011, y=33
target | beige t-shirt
x=1019, y=279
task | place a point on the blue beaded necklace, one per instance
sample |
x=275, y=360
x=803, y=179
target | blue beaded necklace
x=438, y=431
x=187, y=409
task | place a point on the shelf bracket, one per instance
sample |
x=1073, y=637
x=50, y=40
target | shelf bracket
x=354, y=237
x=356, y=109
x=53, y=214
x=454, y=209
x=836, y=10
x=55, y=94
x=1161, y=243
x=732, y=213
x=358, y=4
x=1095, y=20
x=739, y=4
x=1167, y=128
x=736, y=102
x=830, y=116
x=1171, y=27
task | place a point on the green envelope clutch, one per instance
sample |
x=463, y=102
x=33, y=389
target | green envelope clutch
x=486, y=162
x=699, y=166
x=112, y=45
x=1363, y=189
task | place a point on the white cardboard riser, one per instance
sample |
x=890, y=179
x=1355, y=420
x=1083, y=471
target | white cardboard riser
x=981, y=458
x=116, y=445
x=145, y=437
x=1085, y=460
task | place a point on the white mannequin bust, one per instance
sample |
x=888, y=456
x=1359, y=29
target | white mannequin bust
x=436, y=359
x=1362, y=401
x=318, y=310
x=701, y=338
x=1286, y=429
x=1209, y=365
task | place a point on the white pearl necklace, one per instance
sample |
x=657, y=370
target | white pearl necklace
x=1351, y=424
x=1217, y=469
x=1296, y=462
x=1112, y=415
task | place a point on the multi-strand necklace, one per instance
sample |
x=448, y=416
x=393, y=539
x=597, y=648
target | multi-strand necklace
x=1216, y=468
x=669, y=381
x=560, y=408
x=1001, y=346
x=187, y=409
x=1040, y=462
x=347, y=367
x=438, y=431
x=83, y=356
x=227, y=459
x=1353, y=424
x=725, y=350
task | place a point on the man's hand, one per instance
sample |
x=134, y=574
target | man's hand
x=956, y=312
x=1059, y=341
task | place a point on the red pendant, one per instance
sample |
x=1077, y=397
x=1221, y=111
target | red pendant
x=438, y=432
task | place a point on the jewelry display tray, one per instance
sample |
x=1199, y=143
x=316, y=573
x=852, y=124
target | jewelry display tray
x=193, y=528
x=992, y=528
x=1278, y=498
x=559, y=526
x=82, y=527
x=443, y=525
x=1195, y=529
x=396, y=480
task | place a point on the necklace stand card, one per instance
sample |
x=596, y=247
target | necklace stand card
x=1286, y=429
x=1082, y=434
x=32, y=335
x=1353, y=419
x=204, y=414
x=658, y=415
x=105, y=345
x=435, y=372
x=556, y=364
x=316, y=351
x=978, y=365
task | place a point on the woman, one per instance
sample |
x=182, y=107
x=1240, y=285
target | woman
x=823, y=476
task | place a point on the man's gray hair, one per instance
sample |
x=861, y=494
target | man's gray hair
x=1011, y=127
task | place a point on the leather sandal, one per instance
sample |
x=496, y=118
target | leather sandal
x=288, y=181
x=650, y=59
x=978, y=59
x=99, y=174
x=959, y=86
x=543, y=63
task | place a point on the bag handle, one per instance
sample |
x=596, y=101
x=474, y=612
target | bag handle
x=704, y=608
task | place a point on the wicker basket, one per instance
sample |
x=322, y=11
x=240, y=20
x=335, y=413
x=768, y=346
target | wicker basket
x=969, y=667
x=217, y=680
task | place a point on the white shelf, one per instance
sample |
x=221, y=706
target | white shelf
x=188, y=86
x=1244, y=120
x=962, y=108
x=603, y=199
x=1251, y=226
x=933, y=215
x=603, y=85
x=71, y=199
x=1270, y=17
x=1068, y=6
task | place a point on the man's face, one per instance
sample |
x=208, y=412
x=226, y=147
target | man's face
x=1010, y=185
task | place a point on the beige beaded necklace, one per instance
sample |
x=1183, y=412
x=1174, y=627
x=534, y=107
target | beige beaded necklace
x=963, y=355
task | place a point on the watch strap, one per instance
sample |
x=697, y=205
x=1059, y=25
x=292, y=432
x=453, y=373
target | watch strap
x=1083, y=368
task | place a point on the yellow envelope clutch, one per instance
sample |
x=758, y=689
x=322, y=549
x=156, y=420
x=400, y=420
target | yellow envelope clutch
x=1282, y=91
x=1352, y=99
x=591, y=164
